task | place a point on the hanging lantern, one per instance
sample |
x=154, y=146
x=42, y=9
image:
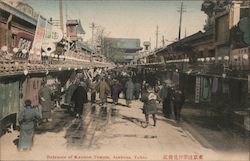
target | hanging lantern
x=4, y=48
x=226, y=57
x=245, y=56
x=25, y=72
x=15, y=50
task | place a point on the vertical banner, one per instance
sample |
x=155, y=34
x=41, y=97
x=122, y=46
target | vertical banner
x=35, y=54
x=205, y=89
x=197, y=89
x=248, y=84
x=48, y=31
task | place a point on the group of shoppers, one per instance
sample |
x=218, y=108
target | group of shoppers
x=172, y=99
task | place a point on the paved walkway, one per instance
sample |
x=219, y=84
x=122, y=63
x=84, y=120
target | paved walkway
x=117, y=134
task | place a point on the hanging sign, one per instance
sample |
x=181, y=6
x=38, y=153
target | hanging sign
x=248, y=84
x=197, y=89
x=35, y=54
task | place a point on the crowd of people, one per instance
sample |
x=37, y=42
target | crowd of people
x=162, y=93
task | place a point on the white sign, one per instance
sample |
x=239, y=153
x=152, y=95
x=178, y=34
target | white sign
x=57, y=35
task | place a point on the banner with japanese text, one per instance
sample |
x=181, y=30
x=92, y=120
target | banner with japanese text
x=35, y=54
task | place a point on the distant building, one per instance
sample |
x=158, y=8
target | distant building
x=74, y=29
x=121, y=50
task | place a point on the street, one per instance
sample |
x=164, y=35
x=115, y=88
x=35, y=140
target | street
x=118, y=134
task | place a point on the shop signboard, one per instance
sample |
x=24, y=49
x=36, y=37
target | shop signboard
x=35, y=54
x=205, y=89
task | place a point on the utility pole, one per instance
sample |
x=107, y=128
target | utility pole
x=92, y=26
x=61, y=15
x=163, y=41
x=181, y=10
x=157, y=33
x=185, y=32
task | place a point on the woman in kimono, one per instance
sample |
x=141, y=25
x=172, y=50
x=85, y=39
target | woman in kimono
x=26, y=120
x=150, y=105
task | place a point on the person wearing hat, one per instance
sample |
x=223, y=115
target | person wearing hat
x=150, y=105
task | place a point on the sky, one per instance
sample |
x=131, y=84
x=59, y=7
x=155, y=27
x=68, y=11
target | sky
x=129, y=18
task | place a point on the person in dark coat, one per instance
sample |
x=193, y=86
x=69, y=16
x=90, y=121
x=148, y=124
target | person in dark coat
x=93, y=92
x=79, y=97
x=166, y=95
x=115, y=91
x=163, y=94
x=137, y=90
x=26, y=119
x=150, y=105
x=129, y=91
x=178, y=101
x=44, y=95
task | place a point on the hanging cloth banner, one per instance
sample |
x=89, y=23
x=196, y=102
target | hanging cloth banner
x=197, y=89
x=215, y=85
x=175, y=78
x=248, y=84
x=35, y=54
x=205, y=90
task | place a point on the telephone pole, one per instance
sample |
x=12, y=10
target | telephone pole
x=61, y=15
x=181, y=10
x=163, y=41
x=157, y=34
x=92, y=26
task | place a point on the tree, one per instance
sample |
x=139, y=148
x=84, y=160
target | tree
x=99, y=38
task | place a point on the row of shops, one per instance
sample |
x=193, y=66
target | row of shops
x=14, y=90
x=211, y=66
x=225, y=97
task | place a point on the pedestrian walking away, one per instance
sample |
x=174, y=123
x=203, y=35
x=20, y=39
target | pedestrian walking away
x=150, y=105
x=27, y=118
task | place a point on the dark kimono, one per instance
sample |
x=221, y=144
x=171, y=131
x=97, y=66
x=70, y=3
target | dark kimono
x=79, y=97
x=115, y=91
x=26, y=119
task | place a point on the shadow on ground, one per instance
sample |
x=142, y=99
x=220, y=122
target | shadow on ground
x=218, y=131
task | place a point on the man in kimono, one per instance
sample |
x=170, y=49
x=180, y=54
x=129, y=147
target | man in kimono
x=129, y=91
x=103, y=89
x=79, y=97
